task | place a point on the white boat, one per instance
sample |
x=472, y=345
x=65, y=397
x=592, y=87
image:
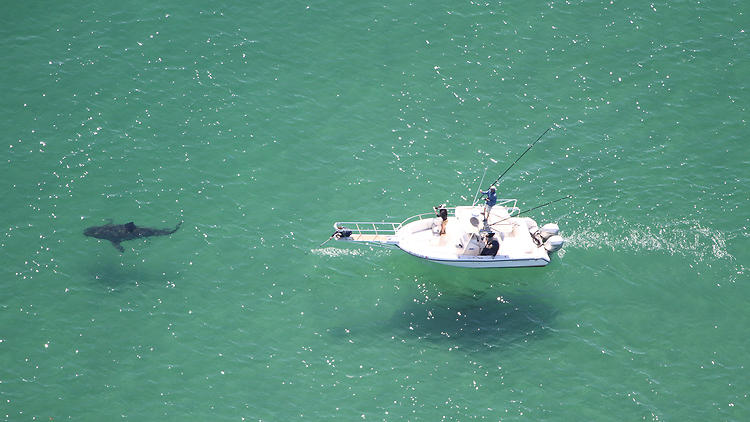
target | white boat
x=470, y=238
x=515, y=241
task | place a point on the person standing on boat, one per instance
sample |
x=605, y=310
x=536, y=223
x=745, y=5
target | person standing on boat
x=490, y=201
x=442, y=212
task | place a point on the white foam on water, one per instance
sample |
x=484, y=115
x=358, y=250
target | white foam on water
x=686, y=238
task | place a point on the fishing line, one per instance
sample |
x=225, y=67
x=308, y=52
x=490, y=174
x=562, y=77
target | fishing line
x=474, y=202
x=524, y=153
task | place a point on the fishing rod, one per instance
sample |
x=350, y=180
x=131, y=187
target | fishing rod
x=340, y=232
x=536, y=207
x=524, y=153
x=326, y=241
x=474, y=202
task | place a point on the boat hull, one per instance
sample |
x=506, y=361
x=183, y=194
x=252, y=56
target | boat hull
x=485, y=261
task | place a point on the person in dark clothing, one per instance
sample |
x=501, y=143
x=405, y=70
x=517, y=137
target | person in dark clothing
x=442, y=212
x=341, y=232
x=491, y=246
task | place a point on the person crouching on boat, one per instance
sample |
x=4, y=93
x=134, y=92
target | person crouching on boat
x=490, y=201
x=442, y=212
x=491, y=245
x=341, y=232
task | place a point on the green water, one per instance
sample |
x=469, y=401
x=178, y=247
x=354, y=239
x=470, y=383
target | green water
x=260, y=124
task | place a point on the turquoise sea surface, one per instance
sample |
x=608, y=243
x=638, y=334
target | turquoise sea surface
x=260, y=124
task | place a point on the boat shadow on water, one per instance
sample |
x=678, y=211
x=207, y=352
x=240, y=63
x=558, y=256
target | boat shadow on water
x=480, y=322
x=473, y=310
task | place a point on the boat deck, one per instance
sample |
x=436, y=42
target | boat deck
x=462, y=242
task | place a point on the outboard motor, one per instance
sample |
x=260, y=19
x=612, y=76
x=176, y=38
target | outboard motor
x=549, y=230
x=554, y=243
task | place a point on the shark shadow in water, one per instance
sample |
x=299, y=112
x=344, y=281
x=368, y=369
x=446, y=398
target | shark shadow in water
x=117, y=233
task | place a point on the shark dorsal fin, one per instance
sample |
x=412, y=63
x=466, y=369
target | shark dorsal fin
x=130, y=226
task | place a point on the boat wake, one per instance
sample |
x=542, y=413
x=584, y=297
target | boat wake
x=686, y=238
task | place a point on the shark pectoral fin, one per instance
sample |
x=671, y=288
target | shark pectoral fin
x=118, y=246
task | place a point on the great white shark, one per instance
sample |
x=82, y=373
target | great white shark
x=117, y=233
